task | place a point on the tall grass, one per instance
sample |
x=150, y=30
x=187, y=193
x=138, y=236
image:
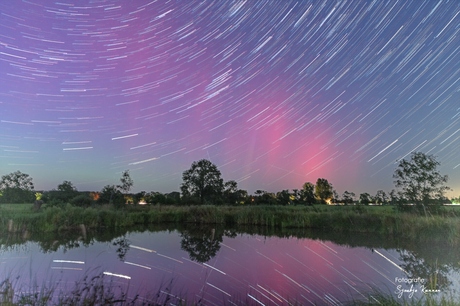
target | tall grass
x=381, y=221
x=90, y=290
x=97, y=290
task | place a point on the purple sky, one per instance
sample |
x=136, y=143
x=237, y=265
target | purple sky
x=275, y=93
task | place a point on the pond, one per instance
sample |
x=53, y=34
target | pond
x=246, y=266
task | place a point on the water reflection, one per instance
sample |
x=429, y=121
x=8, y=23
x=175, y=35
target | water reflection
x=434, y=273
x=202, y=243
x=122, y=245
x=254, y=257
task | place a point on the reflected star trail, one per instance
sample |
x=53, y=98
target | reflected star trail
x=275, y=93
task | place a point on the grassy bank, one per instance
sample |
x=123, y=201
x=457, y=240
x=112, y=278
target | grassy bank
x=379, y=220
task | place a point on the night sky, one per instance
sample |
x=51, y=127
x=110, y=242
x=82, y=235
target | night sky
x=275, y=93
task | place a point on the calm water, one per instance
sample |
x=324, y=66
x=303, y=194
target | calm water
x=213, y=266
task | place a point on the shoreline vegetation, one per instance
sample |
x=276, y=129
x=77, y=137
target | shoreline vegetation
x=381, y=220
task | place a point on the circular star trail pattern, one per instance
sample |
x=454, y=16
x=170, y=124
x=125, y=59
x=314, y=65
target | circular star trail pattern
x=275, y=93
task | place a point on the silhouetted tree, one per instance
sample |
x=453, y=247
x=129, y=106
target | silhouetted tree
x=203, y=181
x=283, y=197
x=16, y=187
x=111, y=195
x=296, y=196
x=381, y=197
x=335, y=197
x=323, y=190
x=393, y=197
x=420, y=181
x=67, y=191
x=126, y=182
x=348, y=197
x=263, y=197
x=308, y=193
x=155, y=197
x=364, y=198
x=173, y=197
x=242, y=196
x=64, y=193
x=231, y=192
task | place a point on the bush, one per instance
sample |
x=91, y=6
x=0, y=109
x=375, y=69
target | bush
x=58, y=196
x=54, y=203
x=111, y=195
x=81, y=200
x=16, y=195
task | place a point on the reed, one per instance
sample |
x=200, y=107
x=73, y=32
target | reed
x=381, y=221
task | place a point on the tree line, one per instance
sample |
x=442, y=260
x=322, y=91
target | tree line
x=417, y=181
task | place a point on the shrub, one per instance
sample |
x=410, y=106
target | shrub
x=81, y=200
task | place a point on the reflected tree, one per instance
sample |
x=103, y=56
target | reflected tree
x=122, y=245
x=433, y=272
x=202, y=244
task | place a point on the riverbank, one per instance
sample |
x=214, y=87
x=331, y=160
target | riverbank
x=378, y=220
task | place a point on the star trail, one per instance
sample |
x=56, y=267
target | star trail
x=275, y=93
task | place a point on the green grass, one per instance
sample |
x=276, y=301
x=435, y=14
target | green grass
x=382, y=220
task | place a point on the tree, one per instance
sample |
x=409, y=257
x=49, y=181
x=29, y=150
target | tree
x=203, y=181
x=231, y=192
x=66, y=186
x=364, y=198
x=111, y=195
x=323, y=190
x=283, y=197
x=296, y=196
x=67, y=191
x=420, y=181
x=394, y=199
x=126, y=182
x=263, y=197
x=335, y=197
x=17, y=187
x=348, y=197
x=64, y=193
x=381, y=197
x=308, y=193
